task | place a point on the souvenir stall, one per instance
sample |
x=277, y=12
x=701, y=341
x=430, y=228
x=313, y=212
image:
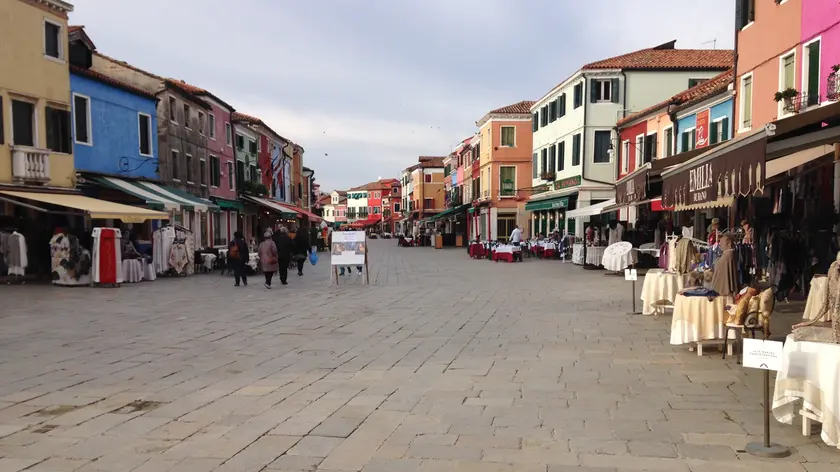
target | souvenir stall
x=173, y=250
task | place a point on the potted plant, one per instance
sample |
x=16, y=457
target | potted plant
x=787, y=95
x=547, y=176
x=835, y=68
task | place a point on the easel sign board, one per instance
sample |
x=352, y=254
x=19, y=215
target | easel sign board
x=761, y=354
x=348, y=248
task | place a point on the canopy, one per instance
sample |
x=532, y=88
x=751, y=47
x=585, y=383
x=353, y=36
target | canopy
x=301, y=212
x=591, y=210
x=187, y=201
x=229, y=205
x=548, y=204
x=153, y=200
x=451, y=211
x=272, y=205
x=97, y=209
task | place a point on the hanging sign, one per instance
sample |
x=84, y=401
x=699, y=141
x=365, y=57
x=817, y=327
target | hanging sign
x=702, y=129
x=761, y=354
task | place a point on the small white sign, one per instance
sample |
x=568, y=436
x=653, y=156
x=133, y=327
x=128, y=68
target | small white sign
x=761, y=354
x=631, y=275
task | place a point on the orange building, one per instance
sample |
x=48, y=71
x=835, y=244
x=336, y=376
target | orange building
x=428, y=195
x=506, y=142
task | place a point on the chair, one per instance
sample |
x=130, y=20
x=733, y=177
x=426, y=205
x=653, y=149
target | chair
x=660, y=306
x=756, y=319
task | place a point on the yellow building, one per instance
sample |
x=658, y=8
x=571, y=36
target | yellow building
x=428, y=196
x=36, y=141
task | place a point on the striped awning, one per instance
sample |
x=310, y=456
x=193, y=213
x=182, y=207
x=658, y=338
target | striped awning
x=188, y=202
x=153, y=200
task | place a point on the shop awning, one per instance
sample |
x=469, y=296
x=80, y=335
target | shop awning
x=187, y=201
x=784, y=164
x=736, y=167
x=229, y=205
x=96, y=209
x=301, y=212
x=548, y=204
x=370, y=220
x=153, y=199
x=272, y=206
x=591, y=210
x=451, y=211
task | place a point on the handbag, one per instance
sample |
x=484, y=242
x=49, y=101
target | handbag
x=313, y=258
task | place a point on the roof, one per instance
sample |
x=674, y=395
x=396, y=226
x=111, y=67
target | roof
x=432, y=162
x=325, y=199
x=699, y=92
x=381, y=184
x=110, y=81
x=253, y=120
x=129, y=66
x=667, y=57
x=77, y=33
x=523, y=107
x=422, y=159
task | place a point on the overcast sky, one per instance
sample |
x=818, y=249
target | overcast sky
x=367, y=86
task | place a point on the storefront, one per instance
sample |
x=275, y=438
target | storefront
x=548, y=215
x=225, y=222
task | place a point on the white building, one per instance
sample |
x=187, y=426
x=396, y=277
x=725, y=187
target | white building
x=357, y=205
x=574, y=124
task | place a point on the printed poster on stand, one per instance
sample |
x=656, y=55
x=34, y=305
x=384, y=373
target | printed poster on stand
x=348, y=248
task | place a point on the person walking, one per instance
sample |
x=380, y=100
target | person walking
x=516, y=236
x=301, y=249
x=238, y=257
x=285, y=246
x=268, y=258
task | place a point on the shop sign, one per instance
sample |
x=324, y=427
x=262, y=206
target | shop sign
x=761, y=354
x=568, y=182
x=702, y=129
x=699, y=183
x=633, y=189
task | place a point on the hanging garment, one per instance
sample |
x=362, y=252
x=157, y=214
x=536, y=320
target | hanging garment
x=688, y=231
x=686, y=256
x=663, y=255
x=615, y=235
x=725, y=276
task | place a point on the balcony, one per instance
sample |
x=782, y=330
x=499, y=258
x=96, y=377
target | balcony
x=833, y=89
x=800, y=102
x=30, y=165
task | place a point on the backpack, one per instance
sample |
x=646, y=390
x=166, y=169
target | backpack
x=233, y=253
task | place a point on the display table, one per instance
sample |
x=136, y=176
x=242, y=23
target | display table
x=698, y=319
x=816, y=298
x=148, y=270
x=577, y=254
x=223, y=253
x=548, y=249
x=619, y=256
x=132, y=271
x=811, y=372
x=504, y=252
x=595, y=254
x=660, y=285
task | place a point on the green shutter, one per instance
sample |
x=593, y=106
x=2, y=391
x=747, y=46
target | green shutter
x=561, y=155
x=614, y=90
x=536, y=118
x=685, y=141
x=724, y=124
x=593, y=91
x=713, y=132
x=813, y=73
x=534, y=168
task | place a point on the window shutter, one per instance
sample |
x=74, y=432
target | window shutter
x=713, y=132
x=534, y=168
x=593, y=91
x=562, y=105
x=724, y=124
x=653, y=146
x=739, y=13
x=544, y=158
x=684, y=146
x=536, y=123
x=614, y=90
x=552, y=157
x=2, y=136
x=561, y=155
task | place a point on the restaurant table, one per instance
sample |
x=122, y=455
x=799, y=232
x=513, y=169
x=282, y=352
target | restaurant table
x=505, y=252
x=660, y=285
x=698, y=319
x=810, y=372
x=477, y=250
x=619, y=256
x=816, y=298
x=595, y=254
x=207, y=260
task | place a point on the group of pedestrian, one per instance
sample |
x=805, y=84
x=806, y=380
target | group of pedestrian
x=277, y=252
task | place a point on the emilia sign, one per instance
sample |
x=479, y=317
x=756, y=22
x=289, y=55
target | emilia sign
x=700, y=180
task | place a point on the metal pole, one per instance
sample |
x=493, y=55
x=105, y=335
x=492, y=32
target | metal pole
x=767, y=408
x=767, y=449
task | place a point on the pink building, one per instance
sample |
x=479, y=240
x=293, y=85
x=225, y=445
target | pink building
x=821, y=35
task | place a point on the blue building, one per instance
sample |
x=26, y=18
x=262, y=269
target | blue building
x=719, y=109
x=114, y=124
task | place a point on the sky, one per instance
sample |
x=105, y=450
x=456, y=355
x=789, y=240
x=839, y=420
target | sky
x=367, y=86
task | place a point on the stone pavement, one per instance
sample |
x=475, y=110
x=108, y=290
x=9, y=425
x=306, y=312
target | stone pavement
x=442, y=364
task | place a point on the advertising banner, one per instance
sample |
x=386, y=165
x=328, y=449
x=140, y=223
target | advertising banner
x=702, y=129
x=348, y=248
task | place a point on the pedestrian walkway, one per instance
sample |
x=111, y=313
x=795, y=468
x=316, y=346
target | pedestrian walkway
x=442, y=363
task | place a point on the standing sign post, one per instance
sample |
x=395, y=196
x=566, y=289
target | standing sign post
x=765, y=355
x=631, y=275
x=349, y=248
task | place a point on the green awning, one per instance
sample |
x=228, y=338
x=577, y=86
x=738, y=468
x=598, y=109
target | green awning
x=451, y=211
x=153, y=199
x=548, y=204
x=187, y=201
x=229, y=205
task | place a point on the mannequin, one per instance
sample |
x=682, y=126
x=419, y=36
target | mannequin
x=725, y=278
x=817, y=330
x=713, y=232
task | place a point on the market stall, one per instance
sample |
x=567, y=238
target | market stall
x=660, y=284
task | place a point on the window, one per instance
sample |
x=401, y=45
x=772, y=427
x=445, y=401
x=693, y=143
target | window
x=230, y=174
x=427, y=178
x=811, y=72
x=240, y=142
x=59, y=137
x=746, y=102
x=189, y=169
x=228, y=133
x=144, y=123
x=552, y=111
x=561, y=156
x=254, y=175
x=259, y=144
x=81, y=119
x=187, y=116
x=787, y=67
x=689, y=140
x=428, y=203
x=544, y=115
x=211, y=126
x=578, y=97
x=172, y=105
x=695, y=82
x=176, y=170
x=744, y=12
x=576, y=150
x=200, y=123
x=535, y=169
x=625, y=156
x=650, y=147
x=23, y=123
x=561, y=106
x=640, y=146
x=602, y=146
x=507, y=181
x=552, y=158
x=202, y=170
x=508, y=136
x=668, y=144
x=719, y=131
x=535, y=121
x=601, y=90
x=544, y=160
x=396, y=207
x=218, y=240
x=215, y=171
x=53, y=40
x=252, y=147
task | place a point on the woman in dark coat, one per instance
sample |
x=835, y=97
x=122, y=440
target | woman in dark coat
x=301, y=249
x=285, y=247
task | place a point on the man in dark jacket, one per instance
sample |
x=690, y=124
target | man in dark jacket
x=238, y=257
x=285, y=247
x=302, y=248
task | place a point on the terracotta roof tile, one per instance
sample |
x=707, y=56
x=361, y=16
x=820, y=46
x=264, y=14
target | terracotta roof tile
x=125, y=64
x=667, y=57
x=523, y=107
x=110, y=81
x=699, y=92
x=432, y=162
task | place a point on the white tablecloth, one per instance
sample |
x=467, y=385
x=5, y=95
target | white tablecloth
x=660, y=285
x=816, y=298
x=207, y=260
x=148, y=271
x=547, y=245
x=595, y=254
x=132, y=271
x=619, y=256
x=577, y=254
x=253, y=260
x=507, y=249
x=698, y=319
x=811, y=372
x=409, y=240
